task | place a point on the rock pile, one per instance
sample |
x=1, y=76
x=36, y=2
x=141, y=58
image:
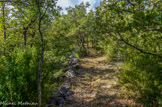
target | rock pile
x=62, y=93
x=73, y=63
x=60, y=97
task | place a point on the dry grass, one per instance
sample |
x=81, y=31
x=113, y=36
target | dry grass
x=96, y=85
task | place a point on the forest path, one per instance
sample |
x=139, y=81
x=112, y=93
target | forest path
x=96, y=85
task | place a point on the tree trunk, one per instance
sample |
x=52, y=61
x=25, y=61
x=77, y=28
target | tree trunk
x=26, y=30
x=39, y=76
x=4, y=27
x=83, y=43
x=87, y=42
x=24, y=33
x=42, y=57
x=33, y=35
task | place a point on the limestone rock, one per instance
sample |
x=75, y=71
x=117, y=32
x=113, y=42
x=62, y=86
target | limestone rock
x=60, y=98
x=71, y=73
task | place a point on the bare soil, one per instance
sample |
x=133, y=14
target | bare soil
x=96, y=85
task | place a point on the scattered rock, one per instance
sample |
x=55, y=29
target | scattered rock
x=71, y=56
x=77, y=66
x=110, y=65
x=73, y=61
x=64, y=69
x=70, y=98
x=60, y=98
x=70, y=93
x=71, y=73
x=63, y=90
x=60, y=101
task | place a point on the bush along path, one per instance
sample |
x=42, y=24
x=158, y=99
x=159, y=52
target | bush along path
x=96, y=85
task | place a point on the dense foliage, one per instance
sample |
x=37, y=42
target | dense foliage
x=36, y=41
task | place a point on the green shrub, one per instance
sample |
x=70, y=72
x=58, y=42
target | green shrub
x=19, y=72
x=141, y=75
x=110, y=53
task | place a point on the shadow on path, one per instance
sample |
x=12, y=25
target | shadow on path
x=96, y=85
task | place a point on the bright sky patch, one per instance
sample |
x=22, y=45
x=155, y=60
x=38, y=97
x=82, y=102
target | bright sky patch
x=72, y=3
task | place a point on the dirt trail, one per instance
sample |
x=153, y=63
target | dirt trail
x=96, y=85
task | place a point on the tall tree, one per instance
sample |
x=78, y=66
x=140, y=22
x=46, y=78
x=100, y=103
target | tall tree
x=43, y=7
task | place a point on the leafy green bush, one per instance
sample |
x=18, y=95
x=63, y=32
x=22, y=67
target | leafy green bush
x=141, y=75
x=114, y=52
x=110, y=53
x=19, y=72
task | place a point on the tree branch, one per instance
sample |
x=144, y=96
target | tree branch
x=130, y=3
x=139, y=49
x=15, y=1
x=45, y=11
